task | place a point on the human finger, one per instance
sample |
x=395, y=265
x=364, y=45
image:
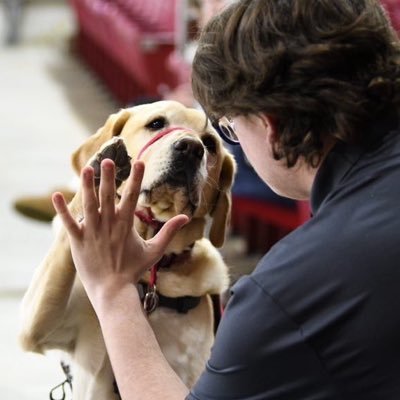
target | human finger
x=107, y=190
x=63, y=212
x=131, y=192
x=167, y=232
x=89, y=198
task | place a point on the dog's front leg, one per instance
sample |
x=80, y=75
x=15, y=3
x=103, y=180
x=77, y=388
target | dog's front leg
x=52, y=304
x=44, y=307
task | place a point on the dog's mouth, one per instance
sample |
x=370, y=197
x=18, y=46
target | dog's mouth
x=146, y=216
x=167, y=198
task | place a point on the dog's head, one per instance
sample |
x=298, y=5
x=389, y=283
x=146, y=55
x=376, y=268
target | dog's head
x=187, y=168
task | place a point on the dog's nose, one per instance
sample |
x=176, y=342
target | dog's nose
x=189, y=148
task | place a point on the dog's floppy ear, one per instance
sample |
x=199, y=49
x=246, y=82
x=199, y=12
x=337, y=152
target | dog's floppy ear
x=222, y=209
x=111, y=128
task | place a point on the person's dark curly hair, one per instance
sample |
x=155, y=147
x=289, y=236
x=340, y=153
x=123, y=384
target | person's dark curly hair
x=320, y=68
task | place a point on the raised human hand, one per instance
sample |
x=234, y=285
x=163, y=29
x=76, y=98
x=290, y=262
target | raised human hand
x=107, y=251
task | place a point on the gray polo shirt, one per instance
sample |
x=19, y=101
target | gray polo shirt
x=319, y=318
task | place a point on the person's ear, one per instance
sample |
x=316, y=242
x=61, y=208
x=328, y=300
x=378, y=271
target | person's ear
x=270, y=124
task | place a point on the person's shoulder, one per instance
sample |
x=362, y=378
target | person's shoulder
x=298, y=264
x=293, y=250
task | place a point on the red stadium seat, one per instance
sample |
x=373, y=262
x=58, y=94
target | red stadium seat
x=127, y=43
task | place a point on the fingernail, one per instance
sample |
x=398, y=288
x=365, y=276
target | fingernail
x=87, y=173
x=106, y=164
x=55, y=197
x=138, y=167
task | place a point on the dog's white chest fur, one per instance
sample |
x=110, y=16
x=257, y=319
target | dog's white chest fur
x=185, y=339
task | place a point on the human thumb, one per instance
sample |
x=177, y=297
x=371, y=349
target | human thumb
x=168, y=231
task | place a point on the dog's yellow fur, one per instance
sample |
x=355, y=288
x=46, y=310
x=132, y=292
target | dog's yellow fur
x=56, y=311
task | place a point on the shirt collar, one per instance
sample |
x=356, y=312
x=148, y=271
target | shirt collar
x=342, y=157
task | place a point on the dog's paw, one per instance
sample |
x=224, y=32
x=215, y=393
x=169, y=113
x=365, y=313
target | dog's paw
x=116, y=151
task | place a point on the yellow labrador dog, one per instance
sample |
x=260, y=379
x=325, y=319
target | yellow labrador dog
x=187, y=171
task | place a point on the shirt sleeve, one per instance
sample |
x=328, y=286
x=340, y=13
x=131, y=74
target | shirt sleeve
x=259, y=353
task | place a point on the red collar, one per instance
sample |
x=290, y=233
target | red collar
x=157, y=137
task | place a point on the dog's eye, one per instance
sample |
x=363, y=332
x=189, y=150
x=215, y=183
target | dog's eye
x=209, y=143
x=157, y=124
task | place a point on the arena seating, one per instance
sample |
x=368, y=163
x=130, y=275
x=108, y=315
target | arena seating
x=127, y=43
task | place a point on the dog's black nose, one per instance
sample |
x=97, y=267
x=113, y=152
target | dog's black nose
x=189, y=148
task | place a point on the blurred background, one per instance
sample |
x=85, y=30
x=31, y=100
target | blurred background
x=65, y=65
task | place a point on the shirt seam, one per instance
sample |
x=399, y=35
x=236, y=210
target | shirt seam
x=300, y=330
x=192, y=396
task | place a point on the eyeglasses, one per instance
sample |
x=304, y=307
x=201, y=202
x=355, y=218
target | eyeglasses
x=226, y=129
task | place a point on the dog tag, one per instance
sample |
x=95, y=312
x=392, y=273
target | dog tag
x=150, y=301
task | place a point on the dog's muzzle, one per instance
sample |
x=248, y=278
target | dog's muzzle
x=186, y=157
x=188, y=150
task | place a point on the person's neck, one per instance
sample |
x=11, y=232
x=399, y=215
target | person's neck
x=308, y=173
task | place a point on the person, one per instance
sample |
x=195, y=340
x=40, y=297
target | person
x=311, y=90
